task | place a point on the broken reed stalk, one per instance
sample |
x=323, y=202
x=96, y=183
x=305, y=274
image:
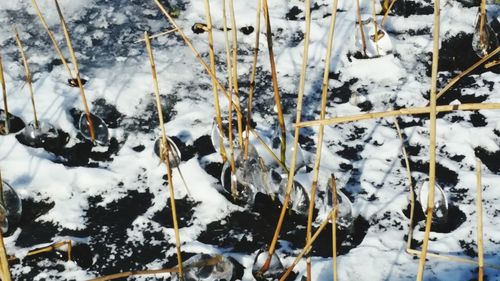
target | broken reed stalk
x=167, y=160
x=209, y=262
x=4, y=262
x=479, y=210
x=211, y=74
x=467, y=71
x=77, y=71
x=156, y=35
x=321, y=132
x=492, y=64
x=48, y=249
x=251, y=89
x=28, y=75
x=307, y=248
x=403, y=111
x=215, y=93
x=410, y=183
x=432, y=142
x=4, y=92
x=236, y=91
x=361, y=31
x=387, y=12
x=375, y=27
x=52, y=38
x=277, y=100
x=334, y=227
x=291, y=171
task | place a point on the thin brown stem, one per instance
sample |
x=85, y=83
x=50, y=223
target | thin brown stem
x=361, y=31
x=375, y=27
x=482, y=23
x=253, y=74
x=134, y=273
x=52, y=38
x=479, y=210
x=4, y=92
x=291, y=171
x=167, y=160
x=27, y=72
x=277, y=100
x=77, y=71
x=334, y=227
x=452, y=258
x=48, y=249
x=432, y=141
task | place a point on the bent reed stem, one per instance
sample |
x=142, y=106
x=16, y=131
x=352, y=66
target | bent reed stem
x=4, y=93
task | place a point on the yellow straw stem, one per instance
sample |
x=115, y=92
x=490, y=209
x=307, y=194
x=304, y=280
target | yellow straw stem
x=361, y=31
x=4, y=92
x=334, y=228
x=235, y=71
x=215, y=94
x=399, y=112
x=75, y=66
x=432, y=142
x=52, y=38
x=307, y=248
x=28, y=76
x=375, y=27
x=382, y=23
x=319, y=143
x=163, y=33
x=251, y=89
x=479, y=210
x=167, y=160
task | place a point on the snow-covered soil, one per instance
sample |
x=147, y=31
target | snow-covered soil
x=112, y=201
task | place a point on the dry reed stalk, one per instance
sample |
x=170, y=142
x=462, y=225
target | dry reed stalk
x=156, y=35
x=77, y=71
x=251, y=89
x=375, y=27
x=234, y=190
x=49, y=248
x=467, y=71
x=482, y=22
x=215, y=94
x=4, y=262
x=479, y=210
x=387, y=12
x=452, y=258
x=432, y=142
x=410, y=183
x=4, y=92
x=300, y=98
x=319, y=143
x=208, y=262
x=211, y=74
x=361, y=31
x=334, y=228
x=399, y=112
x=492, y=64
x=236, y=91
x=167, y=160
x=277, y=101
x=52, y=38
x=307, y=248
x=28, y=75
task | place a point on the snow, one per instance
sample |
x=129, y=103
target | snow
x=104, y=35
